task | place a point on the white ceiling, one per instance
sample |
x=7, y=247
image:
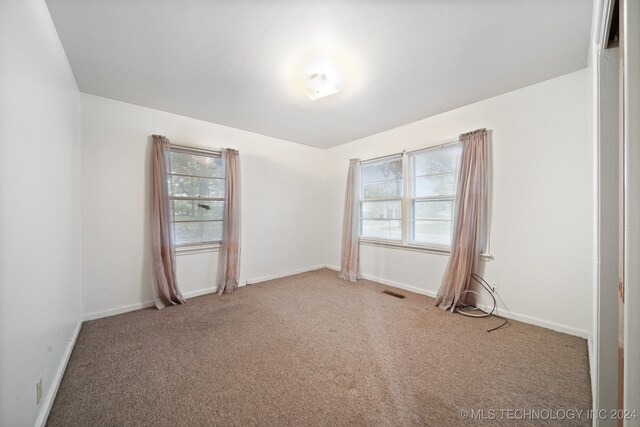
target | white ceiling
x=240, y=63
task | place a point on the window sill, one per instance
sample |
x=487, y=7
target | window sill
x=415, y=248
x=188, y=250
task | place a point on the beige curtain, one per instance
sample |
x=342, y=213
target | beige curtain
x=350, y=264
x=469, y=219
x=165, y=288
x=229, y=256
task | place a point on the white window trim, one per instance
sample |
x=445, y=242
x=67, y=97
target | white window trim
x=406, y=243
x=400, y=199
x=409, y=196
x=197, y=249
x=209, y=246
x=393, y=244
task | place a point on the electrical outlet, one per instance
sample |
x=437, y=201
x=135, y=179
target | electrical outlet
x=38, y=391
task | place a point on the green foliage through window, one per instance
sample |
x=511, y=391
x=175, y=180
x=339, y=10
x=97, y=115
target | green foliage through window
x=196, y=196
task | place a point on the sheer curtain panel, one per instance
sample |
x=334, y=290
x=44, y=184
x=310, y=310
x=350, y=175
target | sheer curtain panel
x=229, y=255
x=469, y=220
x=165, y=287
x=350, y=263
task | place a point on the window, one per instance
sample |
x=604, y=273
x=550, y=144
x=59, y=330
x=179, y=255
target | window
x=381, y=199
x=196, y=196
x=432, y=187
x=409, y=200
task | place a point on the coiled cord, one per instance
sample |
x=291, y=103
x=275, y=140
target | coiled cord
x=472, y=311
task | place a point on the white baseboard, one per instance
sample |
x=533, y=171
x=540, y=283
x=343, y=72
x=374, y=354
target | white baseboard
x=593, y=362
x=525, y=318
x=199, y=292
x=140, y=305
x=399, y=285
x=47, y=402
x=146, y=304
x=288, y=273
x=392, y=283
x=118, y=310
x=499, y=311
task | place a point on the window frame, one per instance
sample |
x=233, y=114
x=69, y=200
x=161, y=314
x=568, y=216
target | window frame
x=412, y=198
x=400, y=199
x=203, y=246
x=406, y=242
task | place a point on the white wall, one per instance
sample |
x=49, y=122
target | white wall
x=542, y=201
x=40, y=285
x=541, y=222
x=282, y=185
x=542, y=193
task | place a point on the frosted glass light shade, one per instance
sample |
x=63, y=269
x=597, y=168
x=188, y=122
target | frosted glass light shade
x=319, y=86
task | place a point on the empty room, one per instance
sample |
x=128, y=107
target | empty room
x=319, y=212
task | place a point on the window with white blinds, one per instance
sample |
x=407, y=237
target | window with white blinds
x=433, y=178
x=381, y=199
x=409, y=199
x=196, y=196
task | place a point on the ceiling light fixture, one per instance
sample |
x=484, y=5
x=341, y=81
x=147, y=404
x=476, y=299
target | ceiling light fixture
x=318, y=86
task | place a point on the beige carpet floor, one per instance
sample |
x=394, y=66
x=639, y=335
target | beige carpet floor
x=310, y=350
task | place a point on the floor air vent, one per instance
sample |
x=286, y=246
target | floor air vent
x=393, y=294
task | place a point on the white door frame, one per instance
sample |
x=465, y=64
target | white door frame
x=631, y=129
x=605, y=337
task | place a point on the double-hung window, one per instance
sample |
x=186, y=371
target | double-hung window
x=196, y=196
x=410, y=199
x=432, y=190
x=381, y=198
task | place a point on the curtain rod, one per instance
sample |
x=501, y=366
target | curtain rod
x=382, y=157
x=413, y=150
x=198, y=149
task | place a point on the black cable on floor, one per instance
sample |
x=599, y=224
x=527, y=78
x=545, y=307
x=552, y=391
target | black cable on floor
x=462, y=307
